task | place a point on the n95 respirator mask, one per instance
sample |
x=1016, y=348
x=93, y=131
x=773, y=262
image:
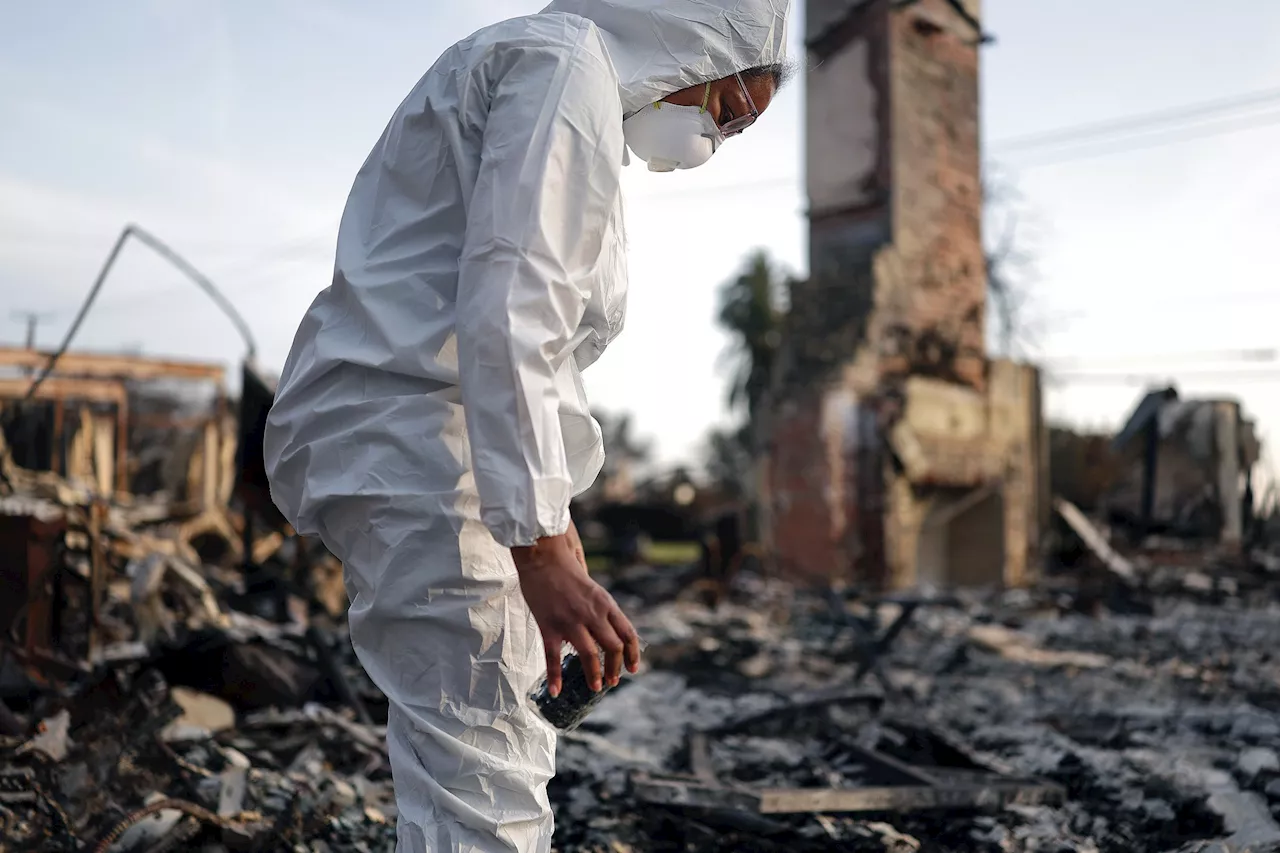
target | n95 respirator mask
x=670, y=137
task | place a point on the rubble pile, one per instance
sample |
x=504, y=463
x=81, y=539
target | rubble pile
x=159, y=696
x=113, y=580
x=155, y=694
x=1158, y=732
x=124, y=767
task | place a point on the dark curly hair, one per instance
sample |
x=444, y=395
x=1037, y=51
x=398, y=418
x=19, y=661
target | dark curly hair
x=780, y=73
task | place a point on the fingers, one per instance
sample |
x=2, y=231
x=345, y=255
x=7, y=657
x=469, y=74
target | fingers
x=630, y=639
x=553, y=664
x=589, y=654
x=601, y=630
x=612, y=646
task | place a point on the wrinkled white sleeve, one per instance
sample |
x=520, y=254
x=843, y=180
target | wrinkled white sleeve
x=583, y=441
x=547, y=181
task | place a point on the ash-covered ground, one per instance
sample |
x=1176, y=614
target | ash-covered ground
x=1158, y=719
x=1162, y=728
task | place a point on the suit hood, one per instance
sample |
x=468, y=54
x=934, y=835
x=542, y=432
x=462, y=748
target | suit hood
x=661, y=46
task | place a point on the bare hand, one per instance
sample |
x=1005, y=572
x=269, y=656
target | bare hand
x=570, y=607
x=575, y=543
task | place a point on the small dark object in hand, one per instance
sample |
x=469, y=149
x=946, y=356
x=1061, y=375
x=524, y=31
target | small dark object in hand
x=576, y=700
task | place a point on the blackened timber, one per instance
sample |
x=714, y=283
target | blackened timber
x=985, y=794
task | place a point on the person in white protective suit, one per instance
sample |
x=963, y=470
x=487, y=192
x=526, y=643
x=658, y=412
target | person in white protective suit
x=430, y=425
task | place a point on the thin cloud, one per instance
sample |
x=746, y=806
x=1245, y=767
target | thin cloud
x=212, y=174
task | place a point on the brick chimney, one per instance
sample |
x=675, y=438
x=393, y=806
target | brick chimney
x=896, y=294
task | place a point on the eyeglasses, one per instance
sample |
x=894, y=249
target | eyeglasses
x=736, y=125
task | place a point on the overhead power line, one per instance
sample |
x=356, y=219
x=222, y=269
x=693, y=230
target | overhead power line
x=1164, y=127
x=1072, y=377
x=1260, y=355
x=1092, y=131
x=1156, y=139
x=1200, y=304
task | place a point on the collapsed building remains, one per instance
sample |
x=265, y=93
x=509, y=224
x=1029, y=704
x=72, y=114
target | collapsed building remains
x=123, y=424
x=902, y=455
x=1187, y=469
x=125, y=481
x=175, y=672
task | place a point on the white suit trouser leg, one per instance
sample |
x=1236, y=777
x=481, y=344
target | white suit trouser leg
x=439, y=623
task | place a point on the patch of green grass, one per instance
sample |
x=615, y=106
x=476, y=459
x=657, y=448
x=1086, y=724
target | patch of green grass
x=599, y=564
x=672, y=553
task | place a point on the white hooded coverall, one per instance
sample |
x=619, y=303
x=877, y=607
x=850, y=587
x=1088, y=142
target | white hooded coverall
x=431, y=413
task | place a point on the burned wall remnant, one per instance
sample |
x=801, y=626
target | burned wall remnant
x=897, y=441
x=1185, y=469
x=99, y=577
x=144, y=438
x=121, y=424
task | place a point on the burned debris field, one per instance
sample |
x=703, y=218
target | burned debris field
x=177, y=675
x=158, y=697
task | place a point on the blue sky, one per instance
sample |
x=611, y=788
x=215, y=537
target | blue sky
x=232, y=130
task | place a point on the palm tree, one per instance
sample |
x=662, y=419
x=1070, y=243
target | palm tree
x=750, y=311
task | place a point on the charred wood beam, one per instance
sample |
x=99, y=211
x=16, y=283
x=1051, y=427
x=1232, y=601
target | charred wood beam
x=96, y=366
x=97, y=390
x=881, y=645
x=1096, y=542
x=983, y=794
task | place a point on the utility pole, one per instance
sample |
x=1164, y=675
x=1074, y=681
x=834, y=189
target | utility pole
x=33, y=319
